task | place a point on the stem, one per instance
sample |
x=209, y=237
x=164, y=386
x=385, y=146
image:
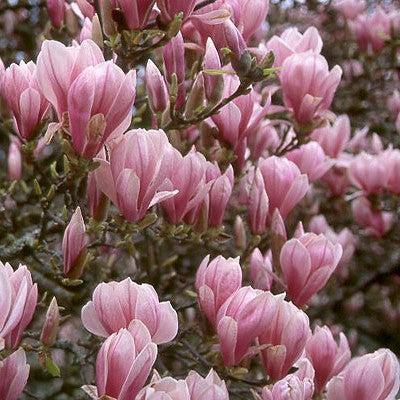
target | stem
x=182, y=123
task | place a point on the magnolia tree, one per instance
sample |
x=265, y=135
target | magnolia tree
x=199, y=200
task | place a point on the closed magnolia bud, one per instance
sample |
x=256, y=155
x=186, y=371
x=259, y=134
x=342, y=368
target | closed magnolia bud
x=156, y=88
x=97, y=201
x=215, y=282
x=97, y=35
x=196, y=97
x=14, y=160
x=233, y=39
x=174, y=64
x=51, y=324
x=213, y=82
x=327, y=358
x=56, y=11
x=106, y=18
x=258, y=205
x=71, y=21
x=74, y=246
x=240, y=233
x=261, y=270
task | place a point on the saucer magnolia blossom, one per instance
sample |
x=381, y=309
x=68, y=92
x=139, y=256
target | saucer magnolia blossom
x=311, y=160
x=18, y=299
x=215, y=282
x=284, y=183
x=369, y=172
x=349, y=8
x=288, y=389
x=100, y=105
x=334, y=139
x=375, y=222
x=14, y=373
x=186, y=175
x=164, y=389
x=239, y=321
x=124, y=362
x=307, y=263
x=20, y=89
x=209, y=388
x=308, y=86
x=136, y=183
x=291, y=41
x=374, y=376
x=284, y=335
x=116, y=304
x=327, y=357
x=58, y=66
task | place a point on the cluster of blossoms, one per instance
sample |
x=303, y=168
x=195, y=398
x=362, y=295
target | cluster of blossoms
x=222, y=135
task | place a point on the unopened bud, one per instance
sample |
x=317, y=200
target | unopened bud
x=240, y=233
x=196, y=97
x=14, y=160
x=74, y=246
x=106, y=18
x=156, y=88
x=51, y=324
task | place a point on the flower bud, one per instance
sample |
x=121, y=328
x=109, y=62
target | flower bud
x=14, y=160
x=261, y=270
x=213, y=83
x=258, y=205
x=74, y=246
x=56, y=11
x=240, y=233
x=327, y=358
x=156, y=88
x=215, y=282
x=51, y=324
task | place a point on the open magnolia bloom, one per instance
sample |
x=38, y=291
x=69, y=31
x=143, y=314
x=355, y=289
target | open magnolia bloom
x=116, y=304
x=194, y=204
